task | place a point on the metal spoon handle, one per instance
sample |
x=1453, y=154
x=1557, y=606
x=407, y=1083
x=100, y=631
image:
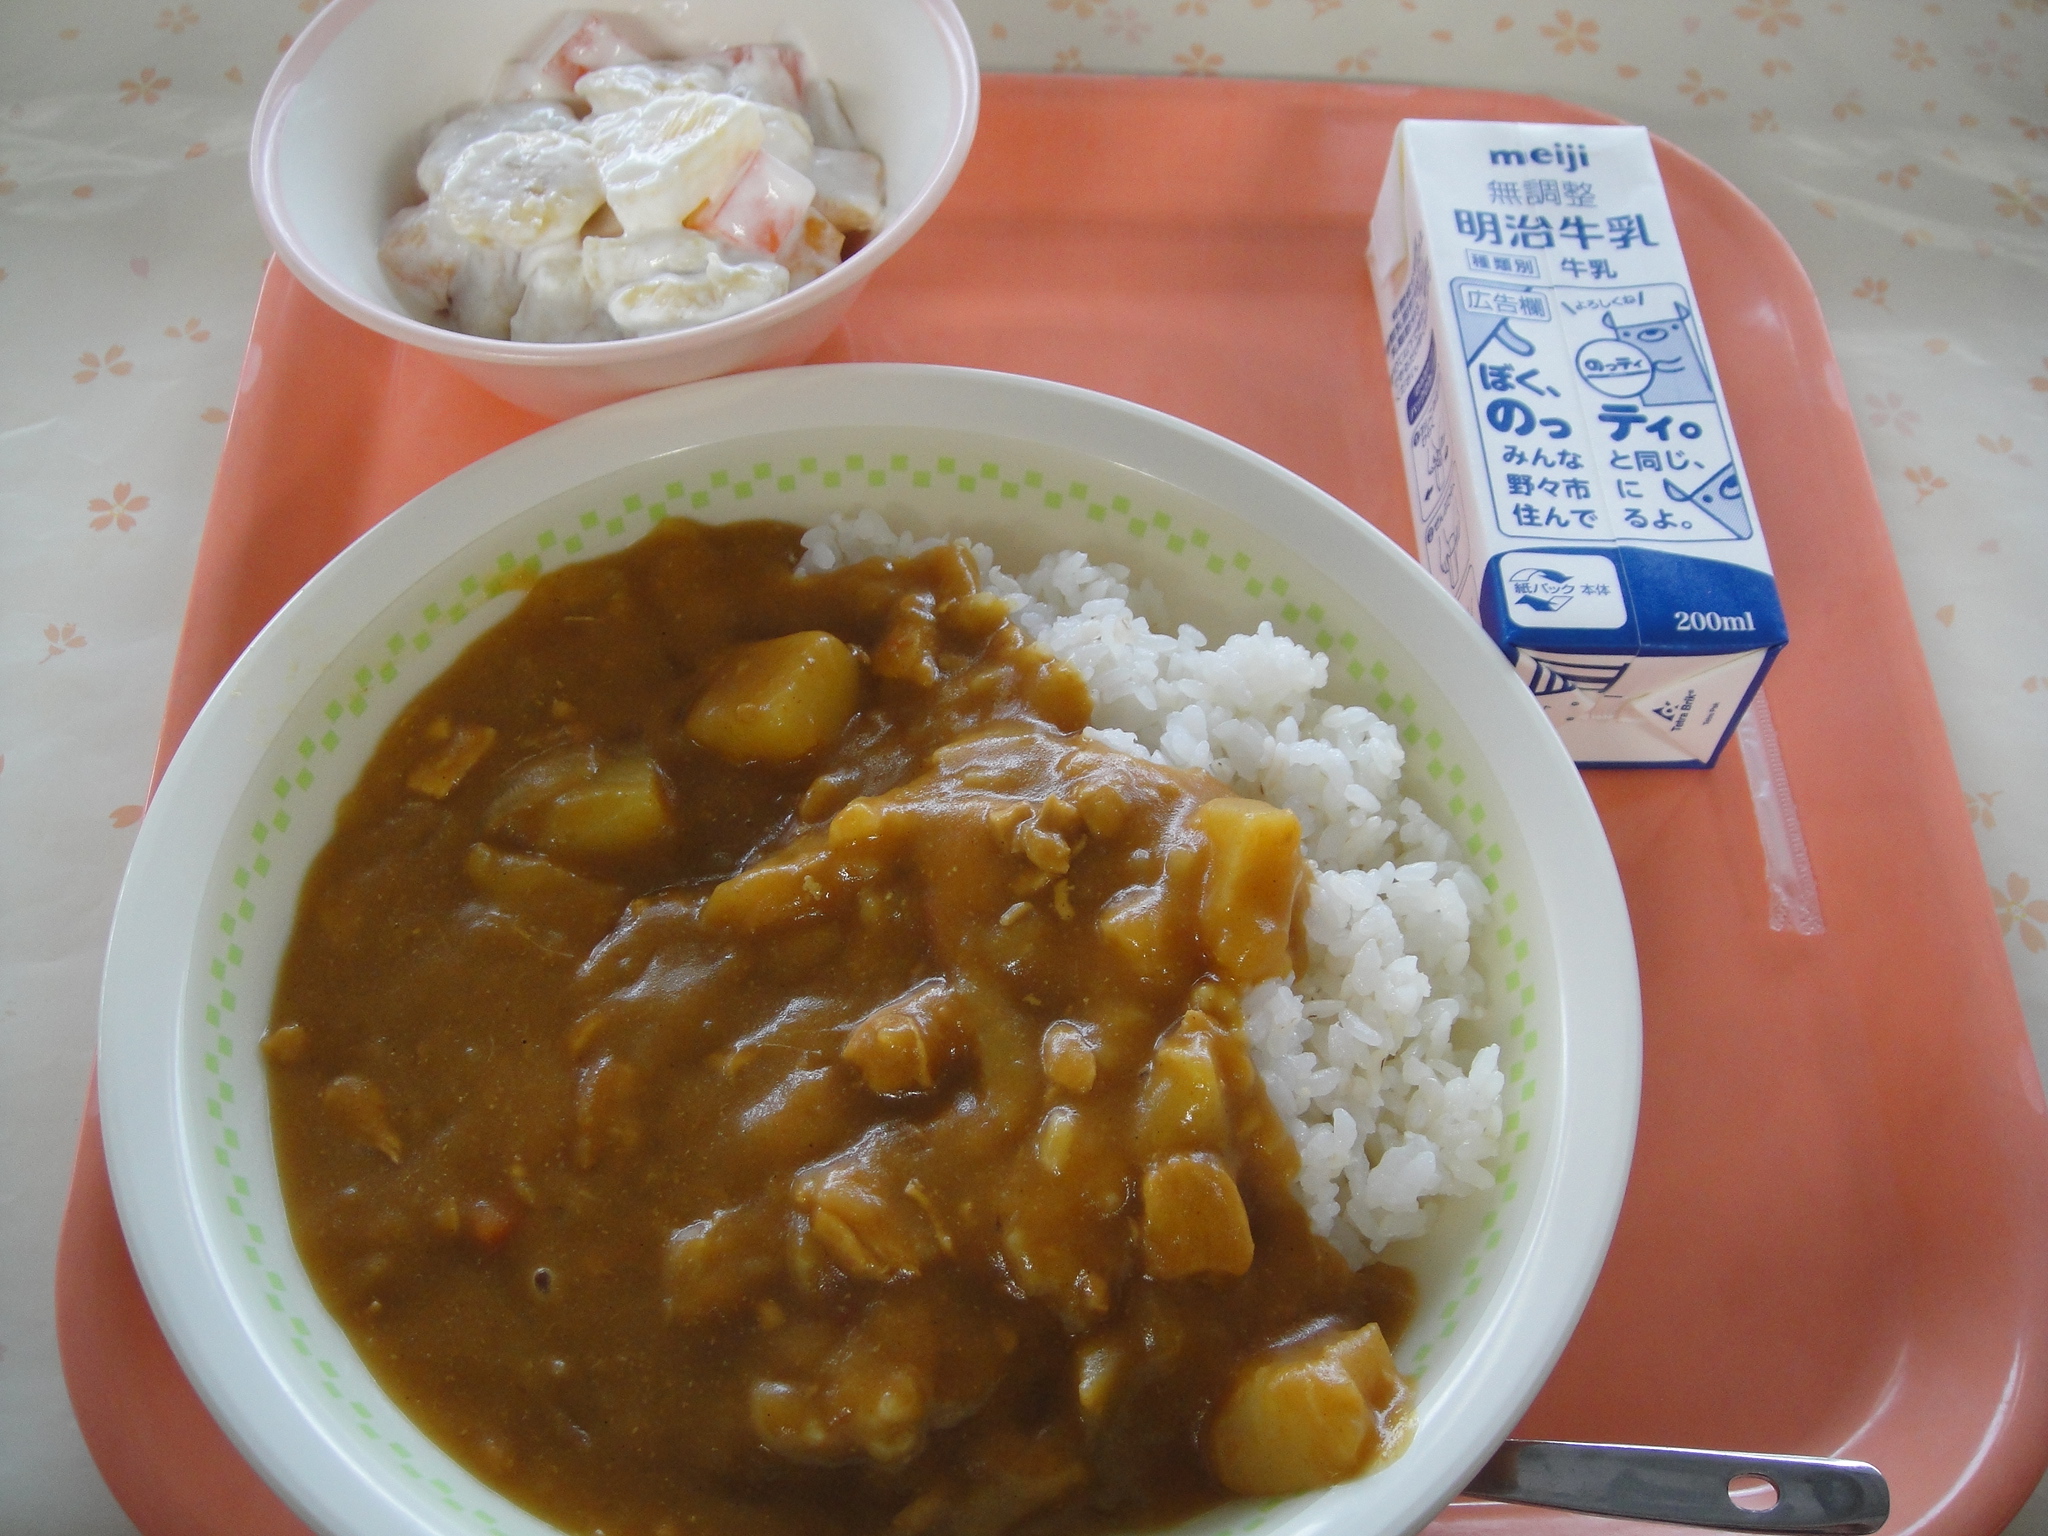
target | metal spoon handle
x=1642, y=1482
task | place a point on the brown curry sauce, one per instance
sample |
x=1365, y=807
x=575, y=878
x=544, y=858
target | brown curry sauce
x=745, y=1062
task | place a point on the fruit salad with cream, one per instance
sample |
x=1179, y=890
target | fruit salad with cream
x=607, y=192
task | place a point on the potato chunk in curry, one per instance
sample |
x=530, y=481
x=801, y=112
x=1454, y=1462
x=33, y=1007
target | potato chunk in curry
x=1307, y=1415
x=776, y=701
x=764, y=1069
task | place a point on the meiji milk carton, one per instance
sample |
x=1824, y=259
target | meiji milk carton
x=1574, y=479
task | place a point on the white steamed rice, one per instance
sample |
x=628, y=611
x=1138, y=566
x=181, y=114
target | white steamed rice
x=1391, y=1116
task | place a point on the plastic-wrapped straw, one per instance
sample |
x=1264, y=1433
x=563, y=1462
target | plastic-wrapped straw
x=1795, y=899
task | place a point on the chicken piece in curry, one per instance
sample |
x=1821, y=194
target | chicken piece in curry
x=748, y=1062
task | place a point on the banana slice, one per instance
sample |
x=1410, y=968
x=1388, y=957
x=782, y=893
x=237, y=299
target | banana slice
x=610, y=264
x=465, y=128
x=521, y=188
x=442, y=278
x=634, y=85
x=420, y=256
x=666, y=158
x=670, y=301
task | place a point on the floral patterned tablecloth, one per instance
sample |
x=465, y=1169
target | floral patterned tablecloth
x=1901, y=145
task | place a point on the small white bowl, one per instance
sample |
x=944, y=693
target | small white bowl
x=1228, y=538
x=341, y=125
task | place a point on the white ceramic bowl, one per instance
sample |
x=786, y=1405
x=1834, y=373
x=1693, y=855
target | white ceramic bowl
x=1229, y=538
x=341, y=125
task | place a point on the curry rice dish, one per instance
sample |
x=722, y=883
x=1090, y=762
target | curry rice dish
x=750, y=1060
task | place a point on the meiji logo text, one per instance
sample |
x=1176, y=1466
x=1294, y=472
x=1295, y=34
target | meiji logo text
x=1569, y=157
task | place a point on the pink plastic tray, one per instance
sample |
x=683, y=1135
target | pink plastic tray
x=1836, y=1233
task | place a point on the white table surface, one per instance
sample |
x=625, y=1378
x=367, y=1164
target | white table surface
x=1901, y=147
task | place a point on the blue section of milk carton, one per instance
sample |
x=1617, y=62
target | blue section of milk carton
x=1582, y=623
x=1688, y=605
x=1628, y=601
